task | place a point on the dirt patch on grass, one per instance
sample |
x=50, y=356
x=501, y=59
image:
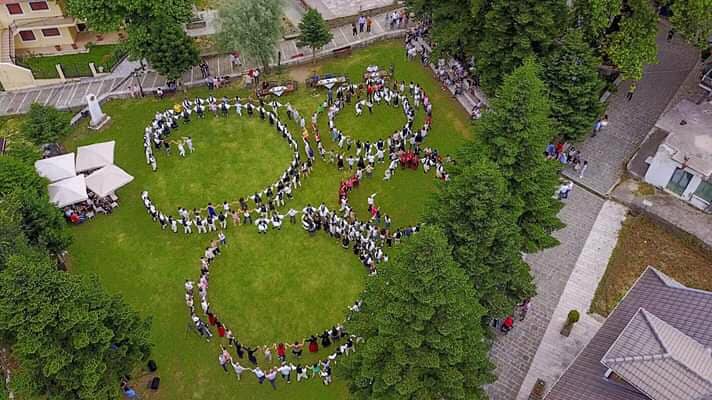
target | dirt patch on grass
x=642, y=242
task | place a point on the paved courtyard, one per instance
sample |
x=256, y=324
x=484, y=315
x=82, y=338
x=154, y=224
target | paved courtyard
x=331, y=9
x=630, y=121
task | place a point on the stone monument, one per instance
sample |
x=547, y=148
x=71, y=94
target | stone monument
x=98, y=118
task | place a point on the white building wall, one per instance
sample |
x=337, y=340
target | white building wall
x=661, y=167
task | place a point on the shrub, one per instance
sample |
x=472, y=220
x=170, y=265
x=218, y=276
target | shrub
x=573, y=317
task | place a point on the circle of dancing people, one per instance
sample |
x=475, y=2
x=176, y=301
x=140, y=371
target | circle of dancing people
x=343, y=343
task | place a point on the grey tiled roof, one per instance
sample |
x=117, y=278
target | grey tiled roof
x=665, y=347
x=660, y=361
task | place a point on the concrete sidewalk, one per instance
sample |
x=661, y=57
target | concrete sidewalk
x=556, y=352
x=71, y=95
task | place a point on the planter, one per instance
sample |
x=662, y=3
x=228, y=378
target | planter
x=537, y=392
x=566, y=330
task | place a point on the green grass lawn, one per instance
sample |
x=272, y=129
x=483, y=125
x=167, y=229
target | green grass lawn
x=281, y=286
x=74, y=65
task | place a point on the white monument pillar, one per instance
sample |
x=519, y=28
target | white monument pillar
x=98, y=118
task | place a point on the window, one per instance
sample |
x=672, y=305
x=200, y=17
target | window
x=27, y=36
x=14, y=8
x=679, y=181
x=50, y=32
x=704, y=191
x=39, y=5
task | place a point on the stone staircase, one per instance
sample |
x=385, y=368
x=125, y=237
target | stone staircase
x=7, y=47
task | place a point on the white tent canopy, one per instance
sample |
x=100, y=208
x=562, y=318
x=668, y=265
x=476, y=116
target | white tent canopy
x=95, y=156
x=68, y=191
x=56, y=168
x=106, y=180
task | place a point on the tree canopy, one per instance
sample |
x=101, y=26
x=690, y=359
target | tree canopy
x=515, y=133
x=634, y=45
x=155, y=29
x=514, y=31
x=471, y=210
x=421, y=327
x=252, y=27
x=693, y=19
x=72, y=339
x=571, y=72
x=45, y=124
x=315, y=32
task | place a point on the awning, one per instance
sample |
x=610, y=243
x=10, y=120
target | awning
x=108, y=179
x=95, y=156
x=56, y=168
x=68, y=191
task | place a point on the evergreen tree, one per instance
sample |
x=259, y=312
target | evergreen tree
x=513, y=32
x=315, y=32
x=634, y=45
x=693, y=19
x=574, y=86
x=454, y=23
x=515, y=133
x=470, y=209
x=72, y=340
x=421, y=327
x=45, y=124
x=42, y=223
x=251, y=26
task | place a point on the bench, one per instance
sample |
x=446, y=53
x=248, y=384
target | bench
x=342, y=51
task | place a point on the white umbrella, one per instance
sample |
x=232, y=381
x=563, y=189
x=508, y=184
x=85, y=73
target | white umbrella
x=107, y=180
x=68, y=191
x=95, y=156
x=56, y=168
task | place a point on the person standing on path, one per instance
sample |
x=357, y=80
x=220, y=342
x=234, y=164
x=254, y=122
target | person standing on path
x=583, y=169
x=354, y=30
x=361, y=23
x=631, y=91
x=369, y=22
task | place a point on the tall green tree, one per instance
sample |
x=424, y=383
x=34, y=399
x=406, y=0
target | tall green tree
x=634, y=44
x=513, y=32
x=166, y=46
x=315, y=32
x=42, y=223
x=454, y=23
x=251, y=26
x=155, y=29
x=571, y=72
x=471, y=210
x=421, y=327
x=693, y=19
x=594, y=17
x=515, y=133
x=72, y=339
x=45, y=124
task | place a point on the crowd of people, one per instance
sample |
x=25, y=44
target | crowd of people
x=343, y=343
x=567, y=154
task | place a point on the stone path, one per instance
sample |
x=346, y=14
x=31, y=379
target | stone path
x=630, y=121
x=513, y=353
x=556, y=352
x=70, y=95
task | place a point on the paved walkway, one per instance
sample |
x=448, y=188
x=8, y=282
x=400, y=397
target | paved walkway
x=630, y=121
x=513, y=353
x=71, y=95
x=556, y=352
